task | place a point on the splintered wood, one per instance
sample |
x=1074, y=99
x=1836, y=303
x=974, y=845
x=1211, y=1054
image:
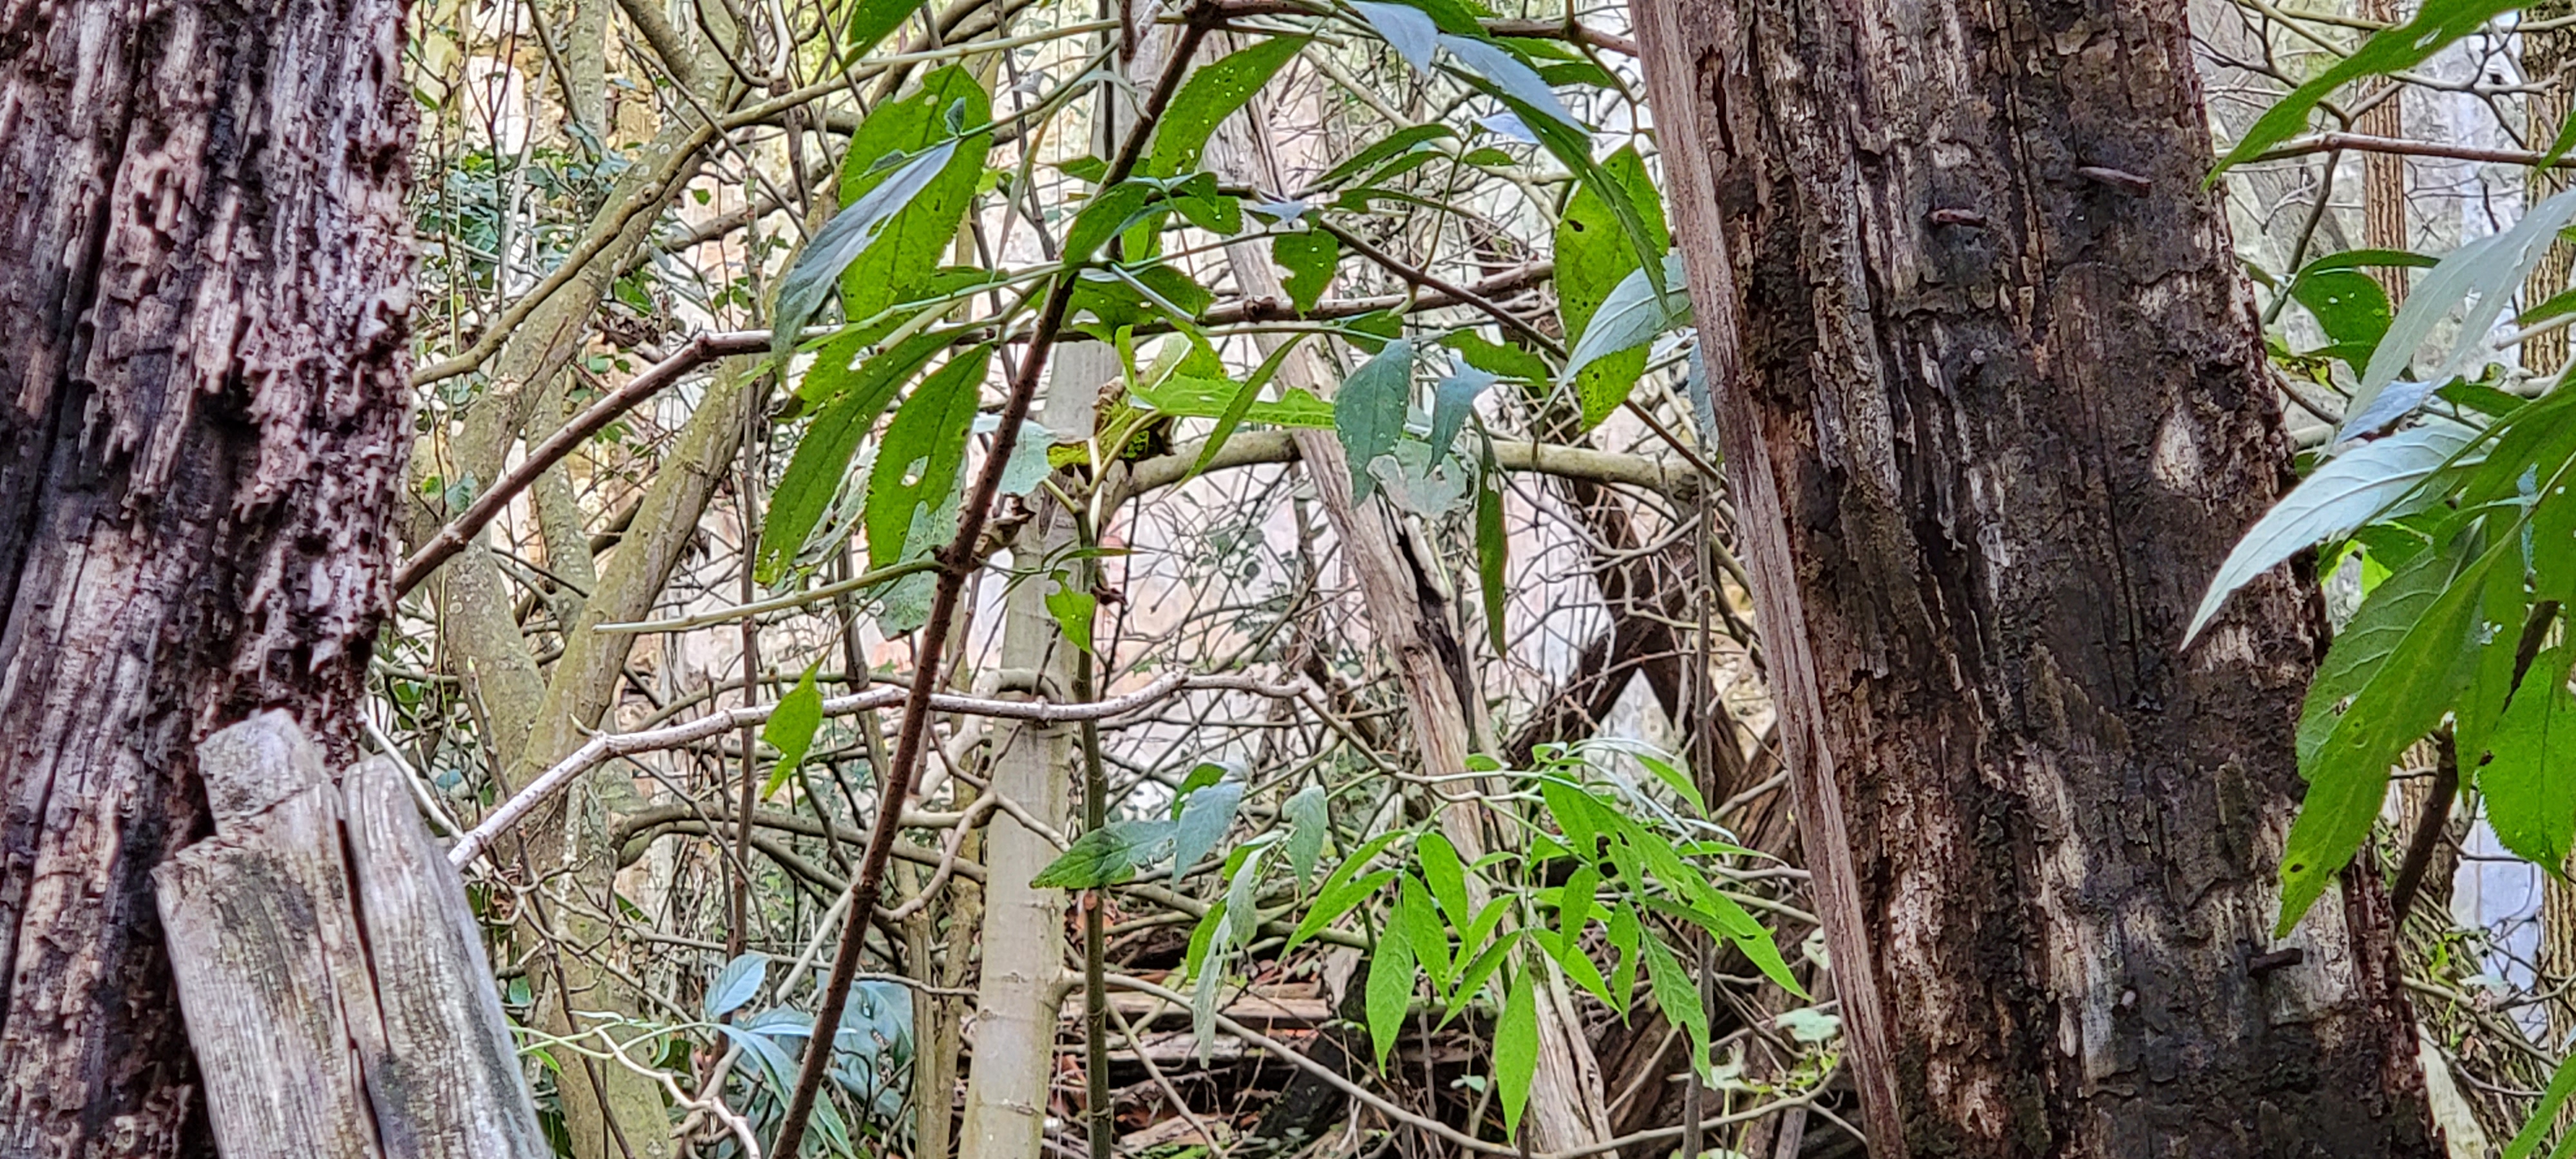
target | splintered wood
x=334, y=987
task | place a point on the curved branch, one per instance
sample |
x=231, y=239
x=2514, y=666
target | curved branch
x=1248, y=448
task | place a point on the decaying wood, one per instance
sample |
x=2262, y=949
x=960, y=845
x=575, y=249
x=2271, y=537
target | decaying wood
x=205, y=268
x=332, y=1021
x=1990, y=427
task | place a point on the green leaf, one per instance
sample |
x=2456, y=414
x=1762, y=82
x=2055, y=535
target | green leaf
x=1392, y=144
x=1390, y=991
x=1595, y=257
x=791, y=728
x=2351, y=489
x=2348, y=779
x=1575, y=900
x=1295, y=408
x=1471, y=978
x=1453, y=399
x=1505, y=74
x=1213, y=93
x=1422, y=928
x=1625, y=933
x=1206, y=773
x=1678, y=995
x=1369, y=411
x=1493, y=551
x=1309, y=822
x=1105, y=216
x=1512, y=362
x=1185, y=396
x=2437, y=24
x=2477, y=281
x=1309, y=257
x=1205, y=816
x=1334, y=900
x=1516, y=1049
x=853, y=398
x=2530, y=786
x=1445, y=873
x=1105, y=856
x=874, y=20
x=924, y=447
x=2351, y=307
x=1072, y=608
x=817, y=269
x=2562, y=1083
x=909, y=247
x=736, y=984
x=2359, y=651
x=1407, y=30
x=1676, y=780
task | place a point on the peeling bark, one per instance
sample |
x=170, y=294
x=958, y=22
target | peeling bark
x=206, y=264
x=1994, y=408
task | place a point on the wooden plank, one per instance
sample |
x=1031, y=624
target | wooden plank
x=449, y=1085
x=259, y=928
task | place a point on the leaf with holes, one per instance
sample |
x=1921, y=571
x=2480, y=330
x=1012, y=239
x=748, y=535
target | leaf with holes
x=924, y=447
x=1212, y=94
x=1309, y=257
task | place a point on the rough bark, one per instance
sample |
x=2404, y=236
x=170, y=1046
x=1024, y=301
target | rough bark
x=1993, y=409
x=206, y=265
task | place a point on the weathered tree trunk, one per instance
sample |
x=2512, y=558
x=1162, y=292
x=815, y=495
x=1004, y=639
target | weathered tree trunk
x=205, y=265
x=1993, y=408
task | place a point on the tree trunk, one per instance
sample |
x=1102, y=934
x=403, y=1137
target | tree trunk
x=206, y=265
x=1994, y=406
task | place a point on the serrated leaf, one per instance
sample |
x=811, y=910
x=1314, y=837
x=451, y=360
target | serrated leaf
x=1420, y=926
x=817, y=269
x=1516, y=1049
x=1472, y=977
x=924, y=447
x=791, y=729
x=1676, y=780
x=2351, y=307
x=2349, y=490
x=911, y=244
x=2530, y=785
x=736, y=984
x=1369, y=411
x=1309, y=257
x=853, y=397
x=1678, y=996
x=2348, y=778
x=1212, y=93
x=873, y=20
x=1390, y=992
x=1309, y=822
x=1392, y=144
x=1597, y=250
x=1105, y=856
x=1188, y=396
x=1205, y=816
